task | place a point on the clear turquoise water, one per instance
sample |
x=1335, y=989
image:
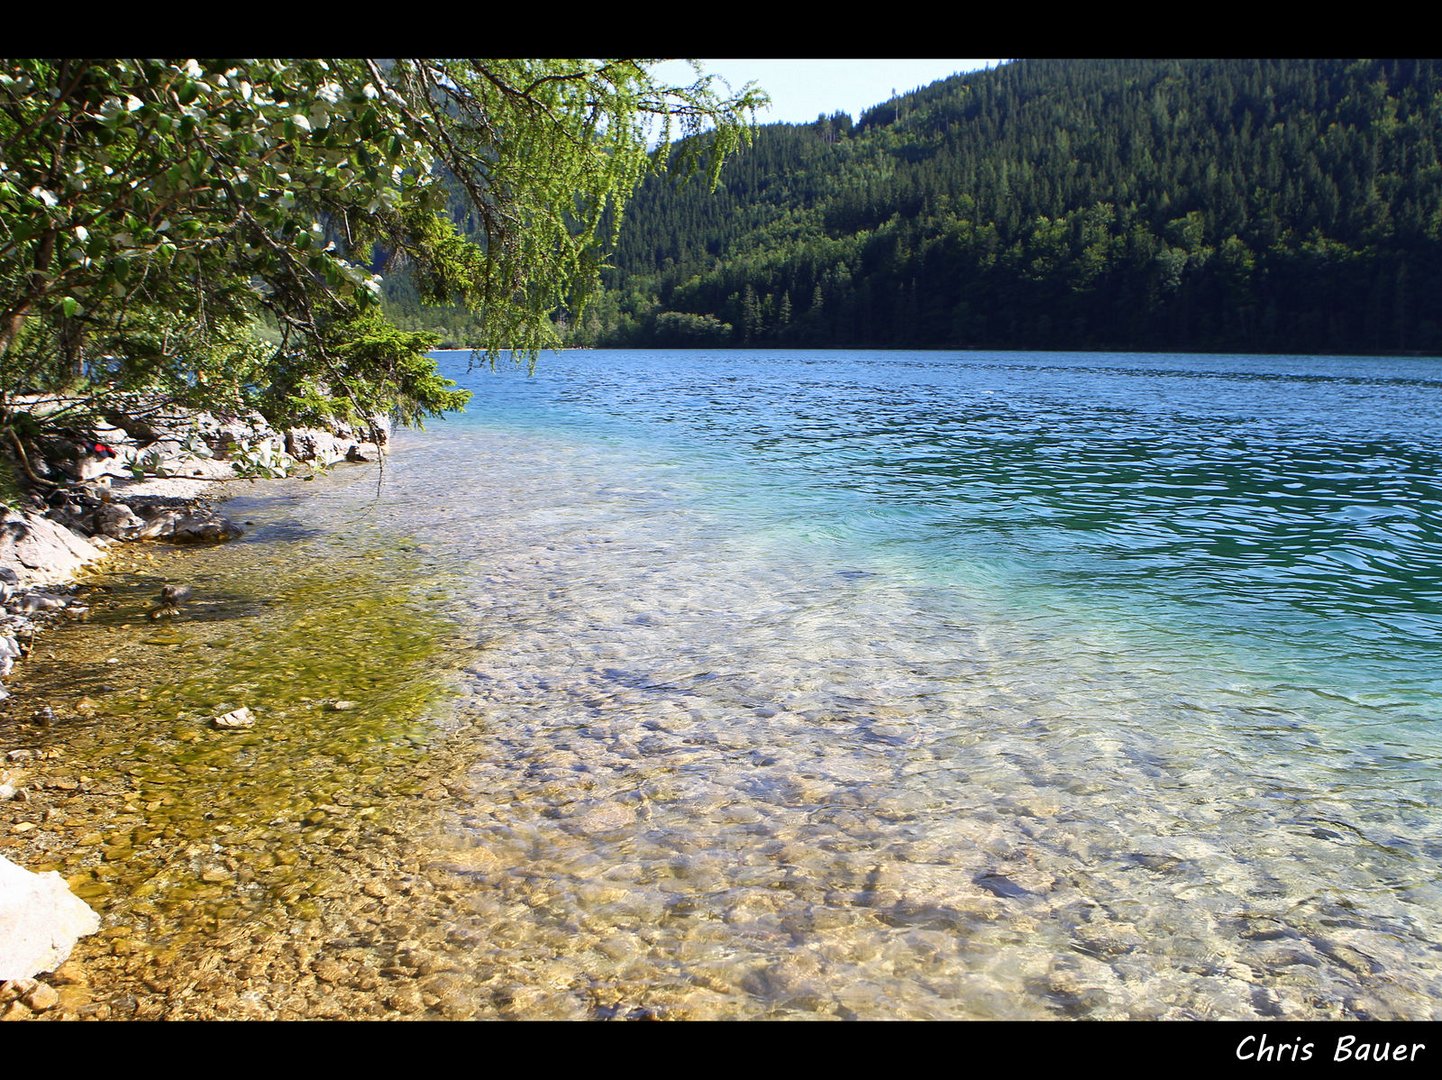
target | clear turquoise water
x=946, y=684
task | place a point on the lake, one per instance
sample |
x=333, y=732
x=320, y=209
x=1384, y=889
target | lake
x=942, y=684
x=789, y=684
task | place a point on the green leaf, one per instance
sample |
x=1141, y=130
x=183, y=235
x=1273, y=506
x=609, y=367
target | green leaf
x=234, y=182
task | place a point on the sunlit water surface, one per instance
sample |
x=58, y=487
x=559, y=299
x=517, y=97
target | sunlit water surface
x=941, y=685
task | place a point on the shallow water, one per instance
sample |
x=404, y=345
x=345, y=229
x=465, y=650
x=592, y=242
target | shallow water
x=946, y=685
x=903, y=684
x=182, y=835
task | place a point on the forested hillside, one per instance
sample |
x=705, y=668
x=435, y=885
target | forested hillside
x=1264, y=205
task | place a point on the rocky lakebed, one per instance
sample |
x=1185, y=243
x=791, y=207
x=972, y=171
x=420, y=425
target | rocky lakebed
x=234, y=762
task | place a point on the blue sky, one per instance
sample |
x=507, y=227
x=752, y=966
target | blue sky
x=800, y=89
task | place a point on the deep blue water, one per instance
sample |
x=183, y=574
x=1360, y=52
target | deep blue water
x=1287, y=507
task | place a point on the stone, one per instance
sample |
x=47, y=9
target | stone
x=70, y=973
x=73, y=998
x=225, y=433
x=240, y=718
x=44, y=547
x=475, y=860
x=9, y=653
x=606, y=817
x=380, y=428
x=316, y=445
x=16, y=1010
x=115, y=519
x=40, y=921
x=199, y=526
x=31, y=603
x=72, y=519
x=405, y=999
x=42, y=998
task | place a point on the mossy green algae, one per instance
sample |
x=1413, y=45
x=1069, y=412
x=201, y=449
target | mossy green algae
x=204, y=825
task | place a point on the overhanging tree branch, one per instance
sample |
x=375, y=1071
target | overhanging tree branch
x=158, y=208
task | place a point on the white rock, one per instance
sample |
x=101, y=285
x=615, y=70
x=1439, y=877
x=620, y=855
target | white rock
x=240, y=718
x=225, y=433
x=117, y=520
x=198, y=526
x=315, y=444
x=33, y=602
x=40, y=921
x=380, y=428
x=45, y=548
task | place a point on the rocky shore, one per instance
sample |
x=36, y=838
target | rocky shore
x=306, y=865
x=154, y=480
x=146, y=475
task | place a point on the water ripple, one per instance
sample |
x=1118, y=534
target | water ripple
x=955, y=684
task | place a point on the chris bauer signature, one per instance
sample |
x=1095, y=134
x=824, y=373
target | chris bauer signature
x=1347, y=1048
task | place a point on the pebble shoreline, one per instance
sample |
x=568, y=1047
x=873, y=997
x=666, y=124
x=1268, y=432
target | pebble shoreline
x=375, y=944
x=337, y=948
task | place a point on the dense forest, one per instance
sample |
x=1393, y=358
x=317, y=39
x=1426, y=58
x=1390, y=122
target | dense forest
x=1257, y=205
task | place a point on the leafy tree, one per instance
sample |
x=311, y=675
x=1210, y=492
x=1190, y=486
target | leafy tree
x=680, y=329
x=153, y=213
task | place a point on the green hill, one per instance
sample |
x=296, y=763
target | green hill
x=1259, y=205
